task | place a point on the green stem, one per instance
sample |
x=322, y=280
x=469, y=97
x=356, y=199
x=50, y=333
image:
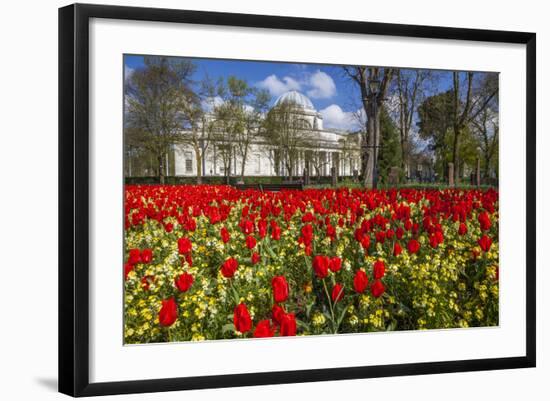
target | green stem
x=334, y=329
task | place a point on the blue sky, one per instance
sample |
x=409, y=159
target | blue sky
x=329, y=90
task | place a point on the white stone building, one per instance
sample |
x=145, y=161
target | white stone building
x=333, y=148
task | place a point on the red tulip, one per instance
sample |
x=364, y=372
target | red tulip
x=365, y=242
x=134, y=256
x=288, y=325
x=169, y=227
x=413, y=246
x=184, y=246
x=168, y=313
x=250, y=242
x=485, y=243
x=262, y=228
x=399, y=233
x=225, y=235
x=434, y=241
x=360, y=281
x=184, y=282
x=127, y=269
x=146, y=256
x=277, y=312
x=280, y=289
x=307, y=234
x=381, y=237
x=331, y=231
x=397, y=249
x=229, y=267
x=263, y=329
x=337, y=292
x=462, y=229
x=241, y=318
x=255, y=258
x=379, y=269
x=335, y=264
x=247, y=227
x=276, y=232
x=484, y=221
x=320, y=265
x=190, y=225
x=377, y=288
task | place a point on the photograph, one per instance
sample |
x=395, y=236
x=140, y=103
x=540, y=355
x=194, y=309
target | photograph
x=281, y=199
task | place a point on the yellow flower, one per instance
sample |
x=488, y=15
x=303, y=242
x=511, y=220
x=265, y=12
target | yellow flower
x=318, y=319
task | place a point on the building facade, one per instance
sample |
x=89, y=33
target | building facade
x=328, y=148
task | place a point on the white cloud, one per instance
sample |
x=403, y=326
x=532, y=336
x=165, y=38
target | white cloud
x=128, y=71
x=317, y=85
x=211, y=102
x=277, y=86
x=335, y=117
x=321, y=84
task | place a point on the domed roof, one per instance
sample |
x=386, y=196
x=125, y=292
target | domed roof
x=296, y=98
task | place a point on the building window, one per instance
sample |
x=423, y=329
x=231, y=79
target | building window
x=188, y=165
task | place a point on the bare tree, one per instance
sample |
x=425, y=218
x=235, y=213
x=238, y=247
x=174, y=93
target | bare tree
x=348, y=149
x=199, y=137
x=252, y=115
x=159, y=103
x=467, y=105
x=224, y=128
x=373, y=84
x=486, y=129
x=287, y=134
x=408, y=86
x=316, y=157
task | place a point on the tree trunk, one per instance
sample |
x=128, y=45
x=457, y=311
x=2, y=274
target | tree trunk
x=227, y=171
x=487, y=166
x=243, y=164
x=376, y=150
x=373, y=141
x=456, y=143
x=290, y=170
x=198, y=158
x=160, y=159
x=368, y=151
x=403, y=156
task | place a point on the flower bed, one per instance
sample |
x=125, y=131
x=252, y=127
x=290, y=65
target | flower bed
x=213, y=262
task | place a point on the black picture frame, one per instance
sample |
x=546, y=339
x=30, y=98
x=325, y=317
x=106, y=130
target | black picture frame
x=74, y=198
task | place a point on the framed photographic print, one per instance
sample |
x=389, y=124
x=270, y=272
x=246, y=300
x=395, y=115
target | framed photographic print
x=238, y=192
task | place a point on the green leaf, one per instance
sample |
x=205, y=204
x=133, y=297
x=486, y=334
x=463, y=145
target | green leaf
x=270, y=251
x=342, y=315
x=302, y=324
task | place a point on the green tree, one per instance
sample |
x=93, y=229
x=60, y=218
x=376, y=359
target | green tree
x=435, y=121
x=390, y=152
x=237, y=119
x=159, y=105
x=485, y=127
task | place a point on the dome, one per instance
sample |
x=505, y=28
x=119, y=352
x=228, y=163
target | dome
x=297, y=98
